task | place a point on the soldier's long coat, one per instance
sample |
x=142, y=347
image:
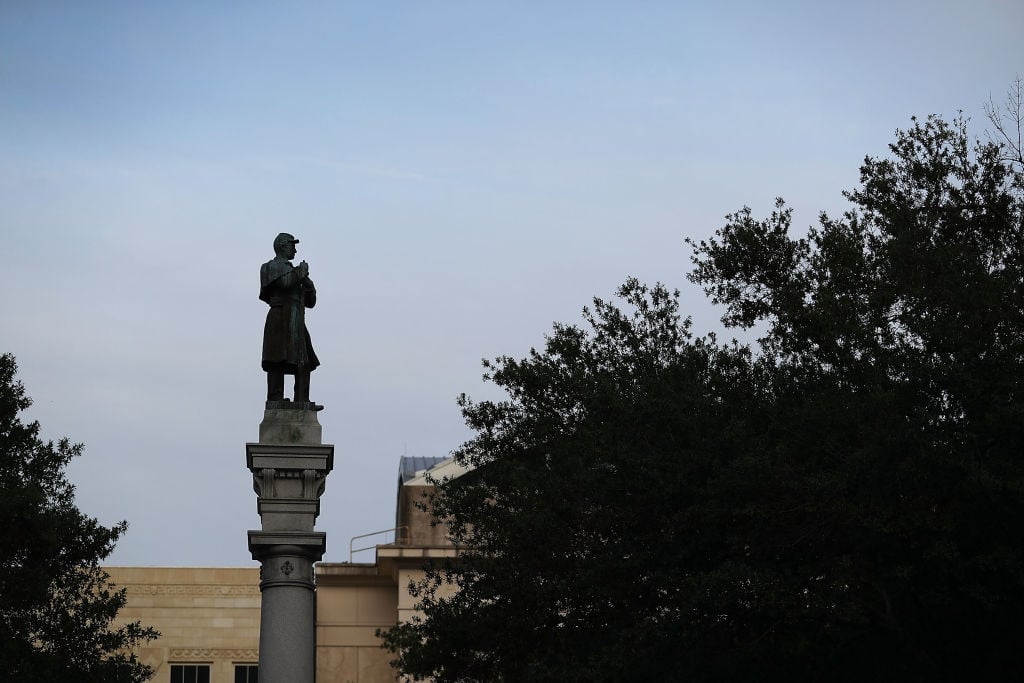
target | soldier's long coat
x=286, y=343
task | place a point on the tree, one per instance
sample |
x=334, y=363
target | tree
x=567, y=541
x=896, y=333
x=56, y=607
x=841, y=500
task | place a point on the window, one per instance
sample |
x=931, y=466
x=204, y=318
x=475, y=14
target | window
x=247, y=673
x=190, y=673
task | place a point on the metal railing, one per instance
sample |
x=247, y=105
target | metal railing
x=401, y=536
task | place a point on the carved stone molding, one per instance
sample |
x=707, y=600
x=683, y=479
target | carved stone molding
x=265, y=482
x=204, y=653
x=187, y=589
x=309, y=484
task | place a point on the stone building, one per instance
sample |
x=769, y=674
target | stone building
x=209, y=617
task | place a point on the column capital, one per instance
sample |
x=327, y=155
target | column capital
x=259, y=456
x=311, y=544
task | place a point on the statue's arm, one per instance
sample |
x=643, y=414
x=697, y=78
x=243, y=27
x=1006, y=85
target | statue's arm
x=279, y=276
x=308, y=293
x=289, y=280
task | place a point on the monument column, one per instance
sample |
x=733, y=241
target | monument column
x=289, y=468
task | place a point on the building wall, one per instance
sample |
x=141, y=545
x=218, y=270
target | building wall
x=353, y=601
x=414, y=526
x=212, y=615
x=206, y=615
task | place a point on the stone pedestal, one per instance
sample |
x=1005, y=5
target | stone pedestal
x=289, y=469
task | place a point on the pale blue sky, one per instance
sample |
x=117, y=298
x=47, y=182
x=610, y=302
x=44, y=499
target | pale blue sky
x=460, y=175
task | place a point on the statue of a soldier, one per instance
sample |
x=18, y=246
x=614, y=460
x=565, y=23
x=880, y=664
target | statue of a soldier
x=287, y=349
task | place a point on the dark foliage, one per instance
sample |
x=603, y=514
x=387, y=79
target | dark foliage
x=843, y=501
x=56, y=607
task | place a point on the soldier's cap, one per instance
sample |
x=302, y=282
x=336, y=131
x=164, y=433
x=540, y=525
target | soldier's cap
x=284, y=238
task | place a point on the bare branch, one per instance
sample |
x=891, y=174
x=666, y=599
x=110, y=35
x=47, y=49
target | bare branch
x=1008, y=120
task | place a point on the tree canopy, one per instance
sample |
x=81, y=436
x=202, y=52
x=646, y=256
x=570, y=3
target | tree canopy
x=840, y=500
x=56, y=607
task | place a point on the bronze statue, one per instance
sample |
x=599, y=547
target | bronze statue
x=287, y=349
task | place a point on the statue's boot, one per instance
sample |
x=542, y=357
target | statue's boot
x=302, y=389
x=275, y=385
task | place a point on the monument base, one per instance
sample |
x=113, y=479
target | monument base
x=288, y=404
x=290, y=425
